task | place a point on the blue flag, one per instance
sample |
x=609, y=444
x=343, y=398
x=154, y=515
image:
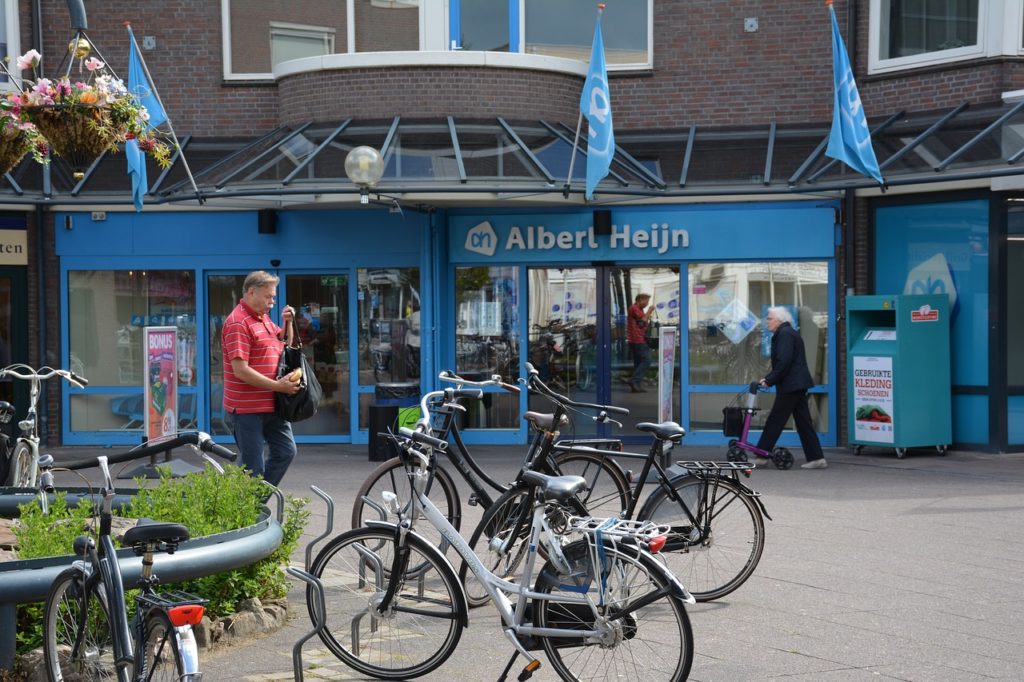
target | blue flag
x=136, y=171
x=850, y=139
x=596, y=106
x=142, y=89
x=139, y=85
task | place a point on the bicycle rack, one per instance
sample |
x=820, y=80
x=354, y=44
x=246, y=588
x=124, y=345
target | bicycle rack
x=319, y=617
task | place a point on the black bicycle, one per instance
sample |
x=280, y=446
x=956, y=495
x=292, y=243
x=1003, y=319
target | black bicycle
x=717, y=522
x=86, y=631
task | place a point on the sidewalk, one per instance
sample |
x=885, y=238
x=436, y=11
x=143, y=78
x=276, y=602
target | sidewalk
x=873, y=569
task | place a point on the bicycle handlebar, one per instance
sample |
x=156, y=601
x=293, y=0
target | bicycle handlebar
x=423, y=439
x=155, y=447
x=495, y=380
x=26, y=373
x=533, y=381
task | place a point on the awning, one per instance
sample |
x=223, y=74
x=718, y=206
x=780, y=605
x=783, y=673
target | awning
x=499, y=160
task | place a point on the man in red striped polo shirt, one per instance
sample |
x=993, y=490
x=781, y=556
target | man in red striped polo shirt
x=252, y=346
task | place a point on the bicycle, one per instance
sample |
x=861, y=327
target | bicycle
x=739, y=447
x=716, y=521
x=25, y=455
x=439, y=410
x=86, y=630
x=600, y=607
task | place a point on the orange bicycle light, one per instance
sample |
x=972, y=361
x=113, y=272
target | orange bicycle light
x=187, y=614
x=656, y=544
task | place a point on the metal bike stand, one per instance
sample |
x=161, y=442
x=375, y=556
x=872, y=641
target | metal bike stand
x=319, y=614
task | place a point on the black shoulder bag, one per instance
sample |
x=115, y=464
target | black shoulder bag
x=301, y=405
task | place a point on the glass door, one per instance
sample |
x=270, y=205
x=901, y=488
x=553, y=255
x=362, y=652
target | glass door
x=13, y=337
x=321, y=305
x=579, y=341
x=223, y=292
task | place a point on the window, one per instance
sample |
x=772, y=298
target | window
x=257, y=36
x=11, y=45
x=290, y=41
x=107, y=311
x=566, y=29
x=911, y=33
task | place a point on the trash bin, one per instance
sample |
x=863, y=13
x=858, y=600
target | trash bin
x=403, y=394
x=382, y=418
x=395, y=404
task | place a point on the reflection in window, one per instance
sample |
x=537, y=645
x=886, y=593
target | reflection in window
x=487, y=322
x=483, y=25
x=1015, y=297
x=387, y=25
x=911, y=27
x=389, y=325
x=566, y=29
x=728, y=344
x=263, y=34
x=295, y=42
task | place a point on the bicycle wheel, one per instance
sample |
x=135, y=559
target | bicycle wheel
x=419, y=630
x=77, y=639
x=23, y=467
x=644, y=630
x=491, y=541
x=163, y=658
x=715, y=558
x=392, y=477
x=607, y=487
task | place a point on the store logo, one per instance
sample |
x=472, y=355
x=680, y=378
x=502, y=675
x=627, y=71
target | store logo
x=924, y=314
x=482, y=239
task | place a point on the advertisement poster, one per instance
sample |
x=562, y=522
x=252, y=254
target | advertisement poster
x=872, y=399
x=161, y=384
x=736, y=321
x=666, y=369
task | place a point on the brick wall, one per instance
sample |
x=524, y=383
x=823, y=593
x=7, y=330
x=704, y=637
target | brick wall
x=468, y=92
x=708, y=70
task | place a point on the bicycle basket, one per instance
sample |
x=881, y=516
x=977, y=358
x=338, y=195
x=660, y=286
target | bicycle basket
x=732, y=421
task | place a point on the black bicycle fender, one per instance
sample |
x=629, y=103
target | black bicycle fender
x=436, y=555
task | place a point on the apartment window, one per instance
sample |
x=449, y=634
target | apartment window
x=906, y=34
x=291, y=41
x=566, y=29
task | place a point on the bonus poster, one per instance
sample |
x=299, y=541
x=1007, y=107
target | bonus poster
x=873, y=399
x=161, y=384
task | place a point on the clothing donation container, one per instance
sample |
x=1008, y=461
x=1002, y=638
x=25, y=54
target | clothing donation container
x=898, y=372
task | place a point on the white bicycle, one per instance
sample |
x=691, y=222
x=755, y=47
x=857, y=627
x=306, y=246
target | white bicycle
x=24, y=464
x=599, y=604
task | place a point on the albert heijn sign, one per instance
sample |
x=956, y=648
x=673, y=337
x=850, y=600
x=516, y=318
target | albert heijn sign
x=642, y=234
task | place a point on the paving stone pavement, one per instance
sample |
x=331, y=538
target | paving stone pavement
x=874, y=569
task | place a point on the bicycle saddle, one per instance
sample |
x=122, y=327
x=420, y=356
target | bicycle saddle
x=558, y=488
x=543, y=421
x=663, y=431
x=148, y=531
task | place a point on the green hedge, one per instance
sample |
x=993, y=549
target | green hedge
x=206, y=503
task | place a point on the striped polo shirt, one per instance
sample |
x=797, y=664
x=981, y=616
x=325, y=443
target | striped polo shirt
x=253, y=338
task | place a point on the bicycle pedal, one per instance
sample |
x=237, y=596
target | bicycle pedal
x=630, y=476
x=473, y=500
x=531, y=667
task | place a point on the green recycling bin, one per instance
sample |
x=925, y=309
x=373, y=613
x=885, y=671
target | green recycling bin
x=898, y=372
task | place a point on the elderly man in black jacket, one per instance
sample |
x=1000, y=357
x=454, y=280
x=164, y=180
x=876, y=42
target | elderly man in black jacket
x=791, y=379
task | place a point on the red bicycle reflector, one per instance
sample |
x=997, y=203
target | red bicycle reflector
x=189, y=614
x=656, y=544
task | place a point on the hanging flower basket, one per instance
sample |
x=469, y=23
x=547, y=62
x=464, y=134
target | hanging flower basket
x=14, y=145
x=77, y=132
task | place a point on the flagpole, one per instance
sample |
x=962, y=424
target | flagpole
x=579, y=123
x=572, y=159
x=170, y=126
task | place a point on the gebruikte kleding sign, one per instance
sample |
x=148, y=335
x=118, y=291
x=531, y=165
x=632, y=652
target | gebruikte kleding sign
x=873, y=399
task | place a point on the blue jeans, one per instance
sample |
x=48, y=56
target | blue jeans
x=252, y=432
x=641, y=361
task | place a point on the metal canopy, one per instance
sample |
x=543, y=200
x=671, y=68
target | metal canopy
x=305, y=164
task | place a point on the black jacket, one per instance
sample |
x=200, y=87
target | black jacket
x=789, y=361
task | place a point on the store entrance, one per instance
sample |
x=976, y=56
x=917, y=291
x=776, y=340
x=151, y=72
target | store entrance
x=13, y=336
x=578, y=339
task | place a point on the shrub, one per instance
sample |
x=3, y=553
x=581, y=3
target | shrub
x=206, y=503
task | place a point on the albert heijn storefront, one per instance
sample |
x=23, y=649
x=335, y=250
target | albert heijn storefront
x=547, y=288
x=388, y=300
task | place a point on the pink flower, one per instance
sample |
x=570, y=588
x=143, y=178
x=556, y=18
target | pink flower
x=92, y=64
x=29, y=60
x=63, y=88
